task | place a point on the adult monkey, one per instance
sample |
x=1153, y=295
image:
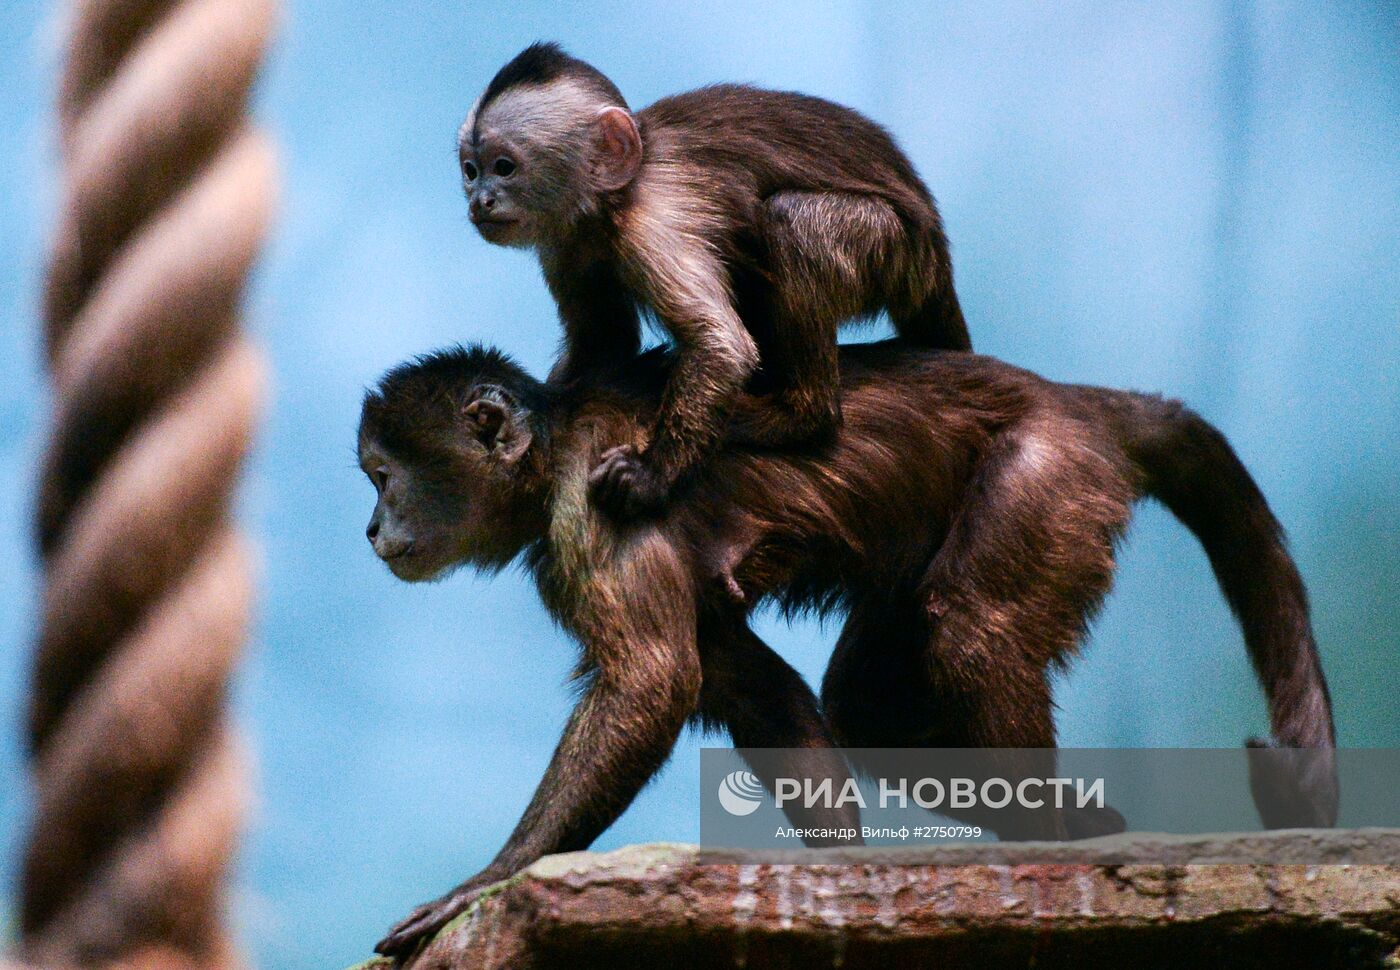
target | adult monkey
x=751, y=222
x=964, y=516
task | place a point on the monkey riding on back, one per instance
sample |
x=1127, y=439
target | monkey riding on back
x=959, y=512
x=750, y=223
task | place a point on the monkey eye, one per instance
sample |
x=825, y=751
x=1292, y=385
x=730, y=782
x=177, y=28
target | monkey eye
x=470, y=170
x=504, y=167
x=380, y=477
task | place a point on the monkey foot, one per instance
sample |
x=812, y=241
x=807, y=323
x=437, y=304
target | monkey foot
x=421, y=924
x=625, y=486
x=781, y=421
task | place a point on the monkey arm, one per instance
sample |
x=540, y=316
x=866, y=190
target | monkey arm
x=599, y=317
x=643, y=672
x=618, y=737
x=686, y=284
x=715, y=354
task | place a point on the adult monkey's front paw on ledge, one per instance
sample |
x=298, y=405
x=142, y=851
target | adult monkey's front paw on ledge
x=624, y=485
x=424, y=922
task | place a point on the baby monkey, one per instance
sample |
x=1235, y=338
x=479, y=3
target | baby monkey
x=749, y=223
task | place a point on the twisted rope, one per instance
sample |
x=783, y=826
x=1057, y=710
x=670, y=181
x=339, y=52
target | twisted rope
x=167, y=194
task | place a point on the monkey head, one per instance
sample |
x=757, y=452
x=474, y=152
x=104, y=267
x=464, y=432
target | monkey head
x=547, y=140
x=451, y=467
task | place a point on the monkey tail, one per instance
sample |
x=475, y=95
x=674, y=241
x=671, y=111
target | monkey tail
x=1190, y=467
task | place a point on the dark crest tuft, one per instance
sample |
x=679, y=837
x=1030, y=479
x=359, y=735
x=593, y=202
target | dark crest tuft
x=422, y=396
x=543, y=62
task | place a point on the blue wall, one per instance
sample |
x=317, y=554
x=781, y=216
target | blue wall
x=1198, y=198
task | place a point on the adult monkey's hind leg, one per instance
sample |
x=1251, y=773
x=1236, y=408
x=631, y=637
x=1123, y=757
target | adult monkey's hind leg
x=1027, y=561
x=1029, y=554
x=893, y=684
x=961, y=659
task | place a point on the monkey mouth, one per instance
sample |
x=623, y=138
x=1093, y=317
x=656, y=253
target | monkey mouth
x=397, y=553
x=405, y=566
x=413, y=568
x=494, y=225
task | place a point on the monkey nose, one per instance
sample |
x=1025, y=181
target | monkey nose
x=482, y=203
x=372, y=529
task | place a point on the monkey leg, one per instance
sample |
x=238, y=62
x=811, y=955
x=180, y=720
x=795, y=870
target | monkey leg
x=1026, y=562
x=919, y=291
x=1029, y=553
x=893, y=683
x=826, y=255
x=751, y=692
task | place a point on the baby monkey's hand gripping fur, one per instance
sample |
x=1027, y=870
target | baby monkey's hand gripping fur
x=752, y=223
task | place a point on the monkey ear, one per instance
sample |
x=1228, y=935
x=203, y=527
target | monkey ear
x=492, y=417
x=616, y=149
x=488, y=419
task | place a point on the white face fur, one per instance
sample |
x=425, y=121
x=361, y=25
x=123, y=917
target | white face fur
x=524, y=160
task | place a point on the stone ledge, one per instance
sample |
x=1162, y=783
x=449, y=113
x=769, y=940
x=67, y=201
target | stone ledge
x=672, y=907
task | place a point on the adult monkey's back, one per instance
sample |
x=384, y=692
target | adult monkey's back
x=964, y=518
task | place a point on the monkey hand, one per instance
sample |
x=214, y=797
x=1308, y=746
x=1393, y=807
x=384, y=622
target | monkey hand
x=732, y=589
x=625, y=486
x=407, y=935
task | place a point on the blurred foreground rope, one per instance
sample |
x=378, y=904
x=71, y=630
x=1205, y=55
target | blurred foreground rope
x=166, y=196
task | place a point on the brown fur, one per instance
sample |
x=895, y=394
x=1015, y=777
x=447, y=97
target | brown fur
x=964, y=518
x=752, y=223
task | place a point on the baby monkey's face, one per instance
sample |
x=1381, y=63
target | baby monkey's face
x=530, y=161
x=498, y=182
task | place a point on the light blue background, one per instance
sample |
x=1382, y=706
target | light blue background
x=1199, y=198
